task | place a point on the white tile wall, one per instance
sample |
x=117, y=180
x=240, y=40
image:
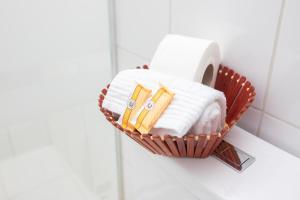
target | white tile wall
x=41, y=174
x=257, y=38
x=127, y=60
x=251, y=120
x=68, y=134
x=21, y=104
x=101, y=142
x=280, y=134
x=54, y=58
x=26, y=172
x=137, y=20
x=61, y=189
x=29, y=135
x=283, y=98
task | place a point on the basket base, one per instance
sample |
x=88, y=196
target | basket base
x=233, y=156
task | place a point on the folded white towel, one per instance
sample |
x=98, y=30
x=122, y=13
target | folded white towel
x=195, y=108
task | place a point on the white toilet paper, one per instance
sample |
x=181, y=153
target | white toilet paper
x=188, y=57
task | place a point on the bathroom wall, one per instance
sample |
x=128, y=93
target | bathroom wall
x=54, y=57
x=257, y=38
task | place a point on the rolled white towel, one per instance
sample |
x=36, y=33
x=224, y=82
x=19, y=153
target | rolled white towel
x=195, y=108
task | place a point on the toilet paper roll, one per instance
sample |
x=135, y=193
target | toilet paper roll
x=188, y=57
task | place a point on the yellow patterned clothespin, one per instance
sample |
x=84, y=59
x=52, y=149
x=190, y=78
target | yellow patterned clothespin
x=152, y=110
x=134, y=104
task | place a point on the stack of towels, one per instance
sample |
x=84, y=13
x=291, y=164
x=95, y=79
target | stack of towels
x=193, y=108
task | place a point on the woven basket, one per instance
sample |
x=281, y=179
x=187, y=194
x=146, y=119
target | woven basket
x=239, y=95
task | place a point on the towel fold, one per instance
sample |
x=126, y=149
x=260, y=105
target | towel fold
x=195, y=108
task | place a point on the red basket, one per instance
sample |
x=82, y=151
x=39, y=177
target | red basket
x=239, y=94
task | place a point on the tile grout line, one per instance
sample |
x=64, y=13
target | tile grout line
x=88, y=149
x=36, y=187
x=170, y=16
x=11, y=143
x=47, y=126
x=113, y=36
x=114, y=70
x=131, y=52
x=271, y=67
x=283, y=120
x=3, y=187
x=256, y=108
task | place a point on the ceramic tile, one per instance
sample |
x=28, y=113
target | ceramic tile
x=51, y=161
x=75, y=81
x=144, y=186
x=245, y=31
x=141, y=24
x=142, y=176
x=12, y=79
x=127, y=60
x=250, y=120
x=102, y=152
x=50, y=38
x=64, y=83
x=129, y=145
x=18, y=179
x=283, y=98
x=3, y=195
x=6, y=149
x=27, y=171
x=280, y=134
x=34, y=48
x=95, y=71
x=68, y=135
x=60, y=189
x=29, y=135
x=21, y=105
x=41, y=174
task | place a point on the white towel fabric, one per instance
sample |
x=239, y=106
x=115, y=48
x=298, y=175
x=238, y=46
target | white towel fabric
x=196, y=108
